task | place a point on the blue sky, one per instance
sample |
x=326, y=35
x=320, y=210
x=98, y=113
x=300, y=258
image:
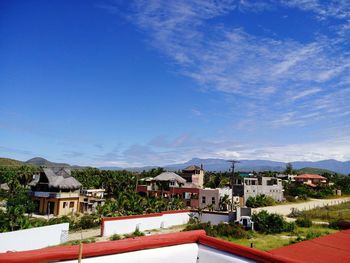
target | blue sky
x=131, y=83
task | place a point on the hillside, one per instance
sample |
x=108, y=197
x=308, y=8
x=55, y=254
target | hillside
x=38, y=161
x=311, y=170
x=10, y=162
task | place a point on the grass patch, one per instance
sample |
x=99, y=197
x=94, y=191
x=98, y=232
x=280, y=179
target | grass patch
x=269, y=242
x=329, y=213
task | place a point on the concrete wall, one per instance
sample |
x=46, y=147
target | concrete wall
x=128, y=224
x=210, y=255
x=34, y=238
x=213, y=217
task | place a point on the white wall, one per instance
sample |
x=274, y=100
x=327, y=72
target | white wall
x=172, y=254
x=128, y=225
x=34, y=238
x=213, y=218
x=175, y=219
x=125, y=226
x=210, y=255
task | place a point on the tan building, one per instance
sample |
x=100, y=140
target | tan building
x=209, y=198
x=194, y=174
x=55, y=191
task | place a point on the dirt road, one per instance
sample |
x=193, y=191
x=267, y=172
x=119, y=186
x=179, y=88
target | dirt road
x=313, y=203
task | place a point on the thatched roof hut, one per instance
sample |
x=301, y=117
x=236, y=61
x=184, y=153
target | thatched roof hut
x=59, y=178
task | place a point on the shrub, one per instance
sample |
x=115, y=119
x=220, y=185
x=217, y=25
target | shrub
x=136, y=233
x=339, y=224
x=88, y=221
x=222, y=229
x=260, y=201
x=304, y=222
x=115, y=237
x=271, y=223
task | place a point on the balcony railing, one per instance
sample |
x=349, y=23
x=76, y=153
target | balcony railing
x=53, y=194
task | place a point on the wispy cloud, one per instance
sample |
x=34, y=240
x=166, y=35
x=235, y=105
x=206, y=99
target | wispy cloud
x=282, y=81
x=305, y=93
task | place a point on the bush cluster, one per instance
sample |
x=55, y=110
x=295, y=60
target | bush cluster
x=339, y=224
x=136, y=233
x=304, y=222
x=222, y=230
x=75, y=223
x=271, y=223
x=260, y=201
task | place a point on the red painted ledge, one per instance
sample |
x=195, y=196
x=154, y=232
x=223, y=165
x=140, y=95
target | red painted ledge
x=242, y=251
x=102, y=248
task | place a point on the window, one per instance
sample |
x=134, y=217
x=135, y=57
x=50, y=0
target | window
x=203, y=199
x=213, y=200
x=71, y=204
x=65, y=204
x=172, y=183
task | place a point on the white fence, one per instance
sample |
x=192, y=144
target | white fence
x=34, y=238
x=128, y=224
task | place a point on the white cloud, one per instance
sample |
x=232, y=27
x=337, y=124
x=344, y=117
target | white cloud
x=305, y=93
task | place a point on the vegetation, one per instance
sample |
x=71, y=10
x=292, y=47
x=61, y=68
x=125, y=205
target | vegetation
x=136, y=233
x=326, y=213
x=271, y=223
x=220, y=230
x=304, y=222
x=77, y=242
x=260, y=201
x=272, y=241
x=115, y=237
x=10, y=162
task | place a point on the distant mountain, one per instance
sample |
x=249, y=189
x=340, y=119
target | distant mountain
x=333, y=165
x=212, y=164
x=38, y=161
x=111, y=168
x=10, y=162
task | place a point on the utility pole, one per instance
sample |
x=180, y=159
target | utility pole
x=233, y=162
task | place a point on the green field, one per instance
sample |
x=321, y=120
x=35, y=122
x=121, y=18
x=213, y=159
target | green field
x=329, y=213
x=269, y=242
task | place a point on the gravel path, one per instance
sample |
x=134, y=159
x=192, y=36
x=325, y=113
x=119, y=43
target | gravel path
x=313, y=203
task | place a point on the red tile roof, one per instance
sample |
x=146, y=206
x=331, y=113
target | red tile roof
x=310, y=176
x=331, y=248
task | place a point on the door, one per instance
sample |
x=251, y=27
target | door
x=50, y=208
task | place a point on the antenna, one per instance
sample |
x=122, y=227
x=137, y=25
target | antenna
x=233, y=162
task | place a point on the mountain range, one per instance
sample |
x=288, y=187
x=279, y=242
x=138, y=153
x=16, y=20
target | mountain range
x=210, y=164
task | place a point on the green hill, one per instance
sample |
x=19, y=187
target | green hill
x=311, y=170
x=10, y=162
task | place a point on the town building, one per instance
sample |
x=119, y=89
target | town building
x=89, y=200
x=194, y=174
x=170, y=184
x=209, y=198
x=312, y=180
x=254, y=186
x=55, y=191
